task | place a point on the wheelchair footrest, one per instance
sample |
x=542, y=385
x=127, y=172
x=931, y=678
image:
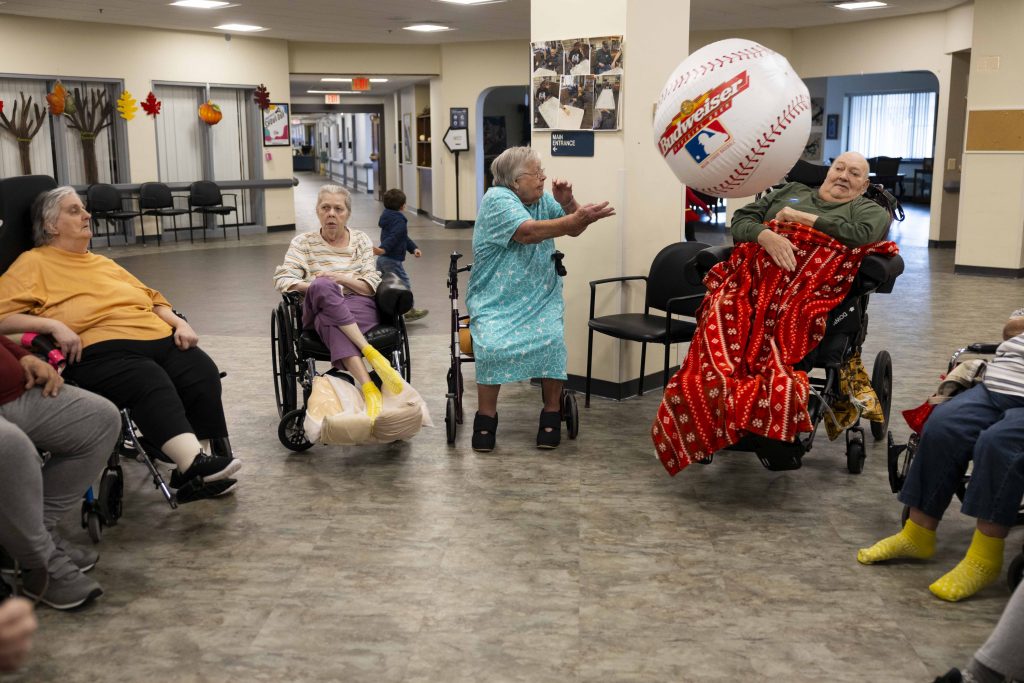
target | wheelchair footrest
x=776, y=456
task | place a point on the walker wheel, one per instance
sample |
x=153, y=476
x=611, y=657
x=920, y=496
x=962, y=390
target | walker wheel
x=450, y=421
x=110, y=502
x=855, y=456
x=1015, y=574
x=571, y=414
x=291, y=431
x=94, y=524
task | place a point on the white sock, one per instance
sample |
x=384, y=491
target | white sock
x=182, y=449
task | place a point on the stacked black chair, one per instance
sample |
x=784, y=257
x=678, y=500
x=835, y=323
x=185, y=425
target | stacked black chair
x=16, y=197
x=155, y=199
x=205, y=198
x=104, y=202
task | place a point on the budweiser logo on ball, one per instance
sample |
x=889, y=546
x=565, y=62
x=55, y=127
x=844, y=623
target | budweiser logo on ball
x=695, y=116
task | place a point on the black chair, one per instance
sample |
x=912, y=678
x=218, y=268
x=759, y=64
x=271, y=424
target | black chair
x=155, y=199
x=669, y=290
x=16, y=197
x=886, y=172
x=205, y=198
x=811, y=175
x=105, y=203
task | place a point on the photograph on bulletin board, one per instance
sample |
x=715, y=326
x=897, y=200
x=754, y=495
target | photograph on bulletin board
x=276, y=126
x=577, y=56
x=545, y=103
x=606, y=102
x=606, y=56
x=576, y=103
x=548, y=59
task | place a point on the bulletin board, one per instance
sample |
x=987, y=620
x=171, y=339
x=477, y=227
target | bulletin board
x=995, y=130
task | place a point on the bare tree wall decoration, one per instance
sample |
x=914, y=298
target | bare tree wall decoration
x=89, y=121
x=23, y=128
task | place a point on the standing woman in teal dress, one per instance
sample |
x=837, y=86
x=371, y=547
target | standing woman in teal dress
x=515, y=296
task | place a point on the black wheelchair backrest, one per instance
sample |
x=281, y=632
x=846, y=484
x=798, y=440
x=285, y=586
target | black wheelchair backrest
x=16, y=197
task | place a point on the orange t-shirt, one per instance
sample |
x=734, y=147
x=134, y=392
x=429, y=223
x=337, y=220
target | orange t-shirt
x=98, y=299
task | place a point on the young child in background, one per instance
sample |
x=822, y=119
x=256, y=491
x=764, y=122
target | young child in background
x=395, y=242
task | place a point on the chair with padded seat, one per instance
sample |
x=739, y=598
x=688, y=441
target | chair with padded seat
x=668, y=290
x=104, y=202
x=205, y=198
x=155, y=199
x=885, y=171
x=811, y=175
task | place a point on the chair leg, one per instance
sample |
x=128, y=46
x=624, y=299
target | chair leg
x=590, y=360
x=191, y=239
x=643, y=364
x=174, y=227
x=238, y=229
x=664, y=377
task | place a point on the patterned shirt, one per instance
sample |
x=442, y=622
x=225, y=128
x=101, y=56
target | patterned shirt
x=309, y=254
x=1005, y=372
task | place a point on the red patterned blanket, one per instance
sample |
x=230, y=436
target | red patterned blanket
x=756, y=321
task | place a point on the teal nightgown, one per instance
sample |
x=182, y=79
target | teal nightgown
x=515, y=296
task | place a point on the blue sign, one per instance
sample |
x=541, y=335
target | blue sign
x=574, y=143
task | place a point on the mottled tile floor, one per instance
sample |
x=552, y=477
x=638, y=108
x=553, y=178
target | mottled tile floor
x=423, y=562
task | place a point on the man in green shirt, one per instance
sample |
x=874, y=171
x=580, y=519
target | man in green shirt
x=836, y=209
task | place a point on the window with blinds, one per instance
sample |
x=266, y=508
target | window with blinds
x=900, y=124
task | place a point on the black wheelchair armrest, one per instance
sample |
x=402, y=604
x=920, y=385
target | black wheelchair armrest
x=293, y=297
x=980, y=347
x=877, y=273
x=604, y=281
x=706, y=259
x=393, y=297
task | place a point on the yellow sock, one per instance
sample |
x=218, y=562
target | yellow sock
x=388, y=375
x=913, y=541
x=981, y=566
x=374, y=402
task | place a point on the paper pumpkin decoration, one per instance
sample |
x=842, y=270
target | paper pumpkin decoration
x=126, y=106
x=210, y=113
x=151, y=105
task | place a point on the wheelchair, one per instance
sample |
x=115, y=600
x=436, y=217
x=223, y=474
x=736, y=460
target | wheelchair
x=846, y=331
x=901, y=455
x=295, y=351
x=103, y=507
x=461, y=346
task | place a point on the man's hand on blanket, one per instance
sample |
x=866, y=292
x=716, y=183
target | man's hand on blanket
x=781, y=250
x=790, y=215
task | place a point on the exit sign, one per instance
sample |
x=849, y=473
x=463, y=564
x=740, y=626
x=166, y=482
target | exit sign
x=332, y=99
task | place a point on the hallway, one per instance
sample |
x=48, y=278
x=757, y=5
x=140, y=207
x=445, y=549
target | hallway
x=418, y=561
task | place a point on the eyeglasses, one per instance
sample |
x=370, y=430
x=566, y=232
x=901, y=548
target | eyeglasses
x=538, y=174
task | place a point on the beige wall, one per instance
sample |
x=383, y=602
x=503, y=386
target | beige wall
x=140, y=56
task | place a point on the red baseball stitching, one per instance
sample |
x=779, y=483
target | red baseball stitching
x=746, y=167
x=711, y=65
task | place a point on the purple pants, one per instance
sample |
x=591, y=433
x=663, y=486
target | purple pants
x=325, y=308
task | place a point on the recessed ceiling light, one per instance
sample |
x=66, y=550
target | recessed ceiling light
x=378, y=80
x=869, y=4
x=471, y=2
x=334, y=92
x=240, y=27
x=336, y=80
x=201, y=4
x=427, y=28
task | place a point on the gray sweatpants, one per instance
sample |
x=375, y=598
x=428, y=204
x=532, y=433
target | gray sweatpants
x=79, y=430
x=1002, y=651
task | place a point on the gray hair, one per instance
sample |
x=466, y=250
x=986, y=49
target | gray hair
x=509, y=165
x=45, y=211
x=335, y=189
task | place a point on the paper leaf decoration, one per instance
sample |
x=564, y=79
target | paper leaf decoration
x=151, y=105
x=262, y=97
x=126, y=106
x=57, y=99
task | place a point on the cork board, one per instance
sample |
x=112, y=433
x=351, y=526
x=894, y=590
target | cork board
x=1000, y=130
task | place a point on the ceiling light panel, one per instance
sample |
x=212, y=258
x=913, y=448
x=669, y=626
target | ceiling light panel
x=427, y=28
x=244, y=28
x=870, y=4
x=201, y=4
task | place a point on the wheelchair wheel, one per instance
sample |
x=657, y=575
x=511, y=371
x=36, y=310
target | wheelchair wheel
x=881, y=382
x=92, y=522
x=284, y=373
x=1015, y=574
x=904, y=515
x=450, y=421
x=898, y=460
x=291, y=431
x=110, y=502
x=571, y=414
x=855, y=456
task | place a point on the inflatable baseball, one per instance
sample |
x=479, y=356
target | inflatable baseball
x=732, y=119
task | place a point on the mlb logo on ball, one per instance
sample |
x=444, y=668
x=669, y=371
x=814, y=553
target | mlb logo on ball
x=706, y=144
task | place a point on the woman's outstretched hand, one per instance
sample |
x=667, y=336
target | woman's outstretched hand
x=561, y=190
x=589, y=213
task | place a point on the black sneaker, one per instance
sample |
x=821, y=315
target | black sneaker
x=196, y=490
x=206, y=468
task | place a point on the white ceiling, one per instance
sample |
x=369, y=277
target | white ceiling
x=381, y=21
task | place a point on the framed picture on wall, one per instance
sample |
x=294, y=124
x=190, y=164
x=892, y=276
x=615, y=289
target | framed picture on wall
x=832, y=127
x=276, y=123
